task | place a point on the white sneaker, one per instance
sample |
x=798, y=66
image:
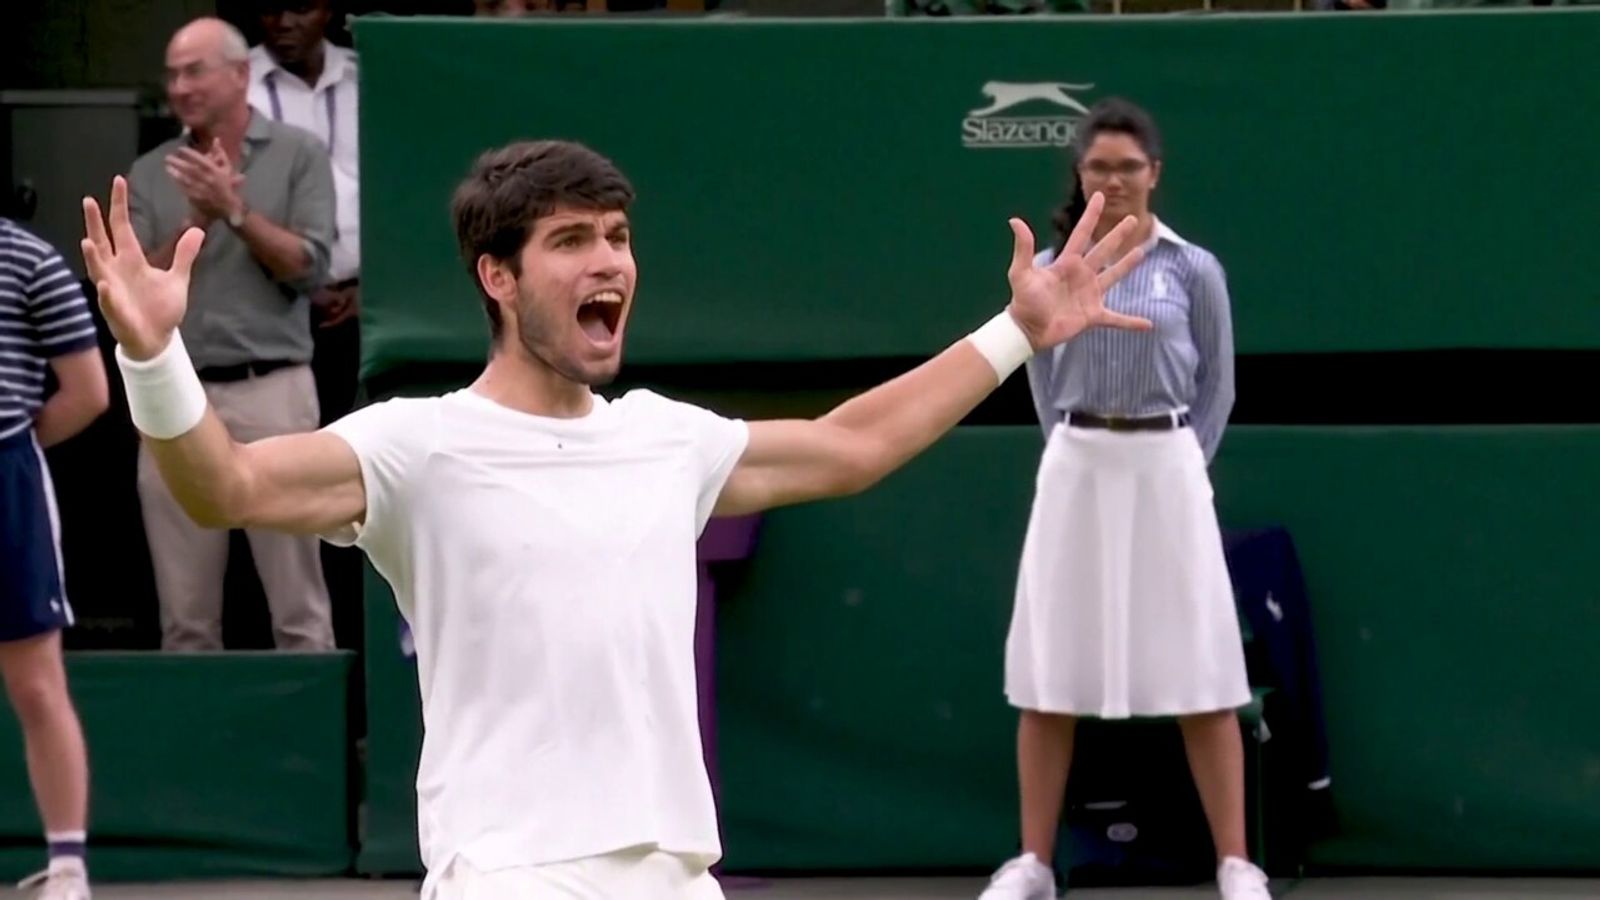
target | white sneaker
x=1023, y=878
x=66, y=879
x=1238, y=879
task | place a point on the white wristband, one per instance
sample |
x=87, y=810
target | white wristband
x=1003, y=343
x=165, y=398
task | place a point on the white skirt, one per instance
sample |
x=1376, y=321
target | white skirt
x=1123, y=605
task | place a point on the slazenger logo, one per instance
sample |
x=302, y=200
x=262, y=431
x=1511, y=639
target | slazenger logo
x=986, y=128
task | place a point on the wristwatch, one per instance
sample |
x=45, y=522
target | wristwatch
x=236, y=218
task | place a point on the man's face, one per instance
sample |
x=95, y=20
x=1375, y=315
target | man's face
x=575, y=292
x=294, y=28
x=201, y=86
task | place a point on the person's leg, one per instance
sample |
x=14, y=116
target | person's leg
x=1194, y=655
x=1044, y=757
x=33, y=610
x=1055, y=655
x=1216, y=758
x=58, y=765
x=289, y=565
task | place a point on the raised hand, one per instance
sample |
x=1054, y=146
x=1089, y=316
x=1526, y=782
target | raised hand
x=1055, y=303
x=142, y=304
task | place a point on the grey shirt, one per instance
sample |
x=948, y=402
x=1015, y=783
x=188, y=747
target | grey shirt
x=238, y=312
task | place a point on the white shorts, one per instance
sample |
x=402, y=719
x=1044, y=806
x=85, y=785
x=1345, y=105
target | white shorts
x=637, y=874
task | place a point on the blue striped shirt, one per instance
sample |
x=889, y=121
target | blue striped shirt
x=1185, y=362
x=43, y=315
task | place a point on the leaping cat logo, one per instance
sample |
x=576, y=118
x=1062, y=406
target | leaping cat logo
x=1006, y=94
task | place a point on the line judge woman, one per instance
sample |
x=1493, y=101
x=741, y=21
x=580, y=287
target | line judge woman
x=1124, y=606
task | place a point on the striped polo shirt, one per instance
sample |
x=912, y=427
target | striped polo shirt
x=43, y=315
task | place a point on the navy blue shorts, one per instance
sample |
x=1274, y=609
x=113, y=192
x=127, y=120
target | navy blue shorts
x=32, y=599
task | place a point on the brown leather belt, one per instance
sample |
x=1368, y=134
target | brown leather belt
x=1168, y=422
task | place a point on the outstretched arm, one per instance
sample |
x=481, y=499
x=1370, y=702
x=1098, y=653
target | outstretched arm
x=307, y=483
x=861, y=441
x=301, y=483
x=866, y=438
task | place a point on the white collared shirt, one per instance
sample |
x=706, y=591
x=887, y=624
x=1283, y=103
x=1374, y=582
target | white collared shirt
x=327, y=110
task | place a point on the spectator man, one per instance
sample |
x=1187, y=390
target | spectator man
x=297, y=76
x=263, y=192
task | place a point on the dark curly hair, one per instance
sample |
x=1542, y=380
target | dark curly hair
x=510, y=188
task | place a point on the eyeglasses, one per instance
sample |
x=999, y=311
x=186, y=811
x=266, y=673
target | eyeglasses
x=191, y=71
x=1126, y=168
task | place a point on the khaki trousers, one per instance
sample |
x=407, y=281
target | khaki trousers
x=190, y=561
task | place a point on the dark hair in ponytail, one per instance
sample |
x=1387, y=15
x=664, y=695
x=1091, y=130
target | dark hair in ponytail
x=1116, y=116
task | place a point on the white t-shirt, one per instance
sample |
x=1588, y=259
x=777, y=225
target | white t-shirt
x=547, y=570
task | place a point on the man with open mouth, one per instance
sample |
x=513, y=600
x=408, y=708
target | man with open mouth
x=539, y=538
